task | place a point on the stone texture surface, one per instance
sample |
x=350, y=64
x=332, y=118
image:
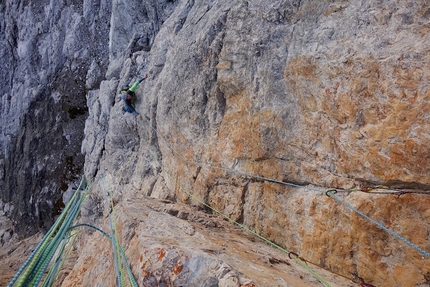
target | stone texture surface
x=13, y=254
x=169, y=244
x=325, y=94
x=365, y=97
x=7, y=232
x=333, y=94
x=52, y=53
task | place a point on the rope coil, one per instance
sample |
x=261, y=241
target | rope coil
x=34, y=268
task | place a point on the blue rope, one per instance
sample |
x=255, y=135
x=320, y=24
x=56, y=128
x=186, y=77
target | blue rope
x=52, y=247
x=130, y=274
x=379, y=225
x=47, y=258
x=49, y=280
x=294, y=185
x=256, y=176
x=112, y=232
x=37, y=251
x=39, y=260
x=27, y=262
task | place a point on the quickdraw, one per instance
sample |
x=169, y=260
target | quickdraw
x=333, y=191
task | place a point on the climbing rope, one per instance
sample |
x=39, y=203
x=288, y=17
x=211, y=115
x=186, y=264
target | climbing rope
x=376, y=190
x=331, y=193
x=34, y=267
x=290, y=254
x=55, y=269
x=57, y=238
x=293, y=185
x=114, y=245
x=124, y=258
x=294, y=256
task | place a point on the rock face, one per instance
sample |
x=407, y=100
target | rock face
x=170, y=244
x=332, y=94
x=52, y=53
x=319, y=94
x=365, y=92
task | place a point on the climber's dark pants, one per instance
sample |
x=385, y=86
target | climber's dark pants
x=130, y=109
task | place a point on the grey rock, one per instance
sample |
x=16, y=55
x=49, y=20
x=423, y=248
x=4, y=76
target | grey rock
x=52, y=52
x=300, y=91
x=96, y=126
x=322, y=93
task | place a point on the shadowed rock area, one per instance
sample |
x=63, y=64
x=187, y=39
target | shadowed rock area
x=52, y=53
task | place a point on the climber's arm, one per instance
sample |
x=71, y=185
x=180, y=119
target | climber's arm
x=137, y=83
x=134, y=86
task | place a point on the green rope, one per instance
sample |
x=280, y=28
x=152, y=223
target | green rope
x=119, y=279
x=240, y=225
x=130, y=274
x=59, y=262
x=30, y=268
x=32, y=271
x=398, y=193
x=59, y=237
x=115, y=230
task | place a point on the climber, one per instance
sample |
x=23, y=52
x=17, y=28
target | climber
x=129, y=96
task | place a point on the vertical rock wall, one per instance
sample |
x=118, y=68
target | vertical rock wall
x=325, y=94
x=333, y=94
x=52, y=53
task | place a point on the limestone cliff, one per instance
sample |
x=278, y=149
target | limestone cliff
x=330, y=94
x=319, y=94
x=52, y=53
